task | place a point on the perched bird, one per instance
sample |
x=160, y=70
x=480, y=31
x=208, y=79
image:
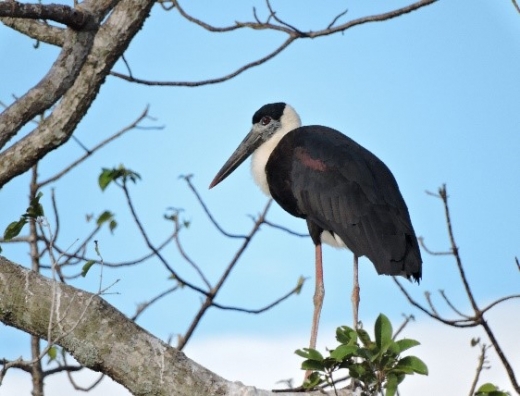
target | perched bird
x=347, y=195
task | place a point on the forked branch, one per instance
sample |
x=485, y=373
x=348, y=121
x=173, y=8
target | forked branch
x=476, y=318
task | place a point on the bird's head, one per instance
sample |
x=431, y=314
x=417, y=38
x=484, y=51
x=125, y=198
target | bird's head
x=270, y=123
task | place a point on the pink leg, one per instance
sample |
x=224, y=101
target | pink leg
x=355, y=293
x=319, y=293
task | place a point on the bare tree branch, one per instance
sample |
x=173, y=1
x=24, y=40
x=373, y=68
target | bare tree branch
x=74, y=18
x=295, y=290
x=477, y=318
x=146, y=365
x=58, y=80
x=37, y=30
x=134, y=125
x=124, y=22
x=282, y=26
x=208, y=213
x=480, y=367
x=217, y=80
x=214, y=291
x=516, y=5
x=150, y=245
x=143, y=306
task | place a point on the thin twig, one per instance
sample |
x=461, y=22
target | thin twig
x=208, y=213
x=336, y=18
x=143, y=306
x=450, y=304
x=516, y=5
x=283, y=27
x=285, y=229
x=444, y=196
x=477, y=319
x=407, y=319
x=500, y=300
x=217, y=80
x=214, y=291
x=88, y=153
x=423, y=245
x=295, y=290
x=183, y=253
x=455, y=323
x=480, y=367
x=150, y=245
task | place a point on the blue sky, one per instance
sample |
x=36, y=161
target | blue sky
x=434, y=94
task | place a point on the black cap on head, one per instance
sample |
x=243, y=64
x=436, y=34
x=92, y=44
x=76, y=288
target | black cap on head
x=273, y=110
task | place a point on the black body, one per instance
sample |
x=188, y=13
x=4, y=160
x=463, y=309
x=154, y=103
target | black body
x=323, y=176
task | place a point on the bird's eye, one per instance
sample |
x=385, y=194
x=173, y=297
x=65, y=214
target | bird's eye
x=265, y=120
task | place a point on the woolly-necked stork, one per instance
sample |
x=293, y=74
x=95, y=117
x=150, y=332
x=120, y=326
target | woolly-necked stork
x=347, y=195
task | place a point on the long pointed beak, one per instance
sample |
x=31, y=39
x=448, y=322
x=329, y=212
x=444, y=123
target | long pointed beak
x=250, y=143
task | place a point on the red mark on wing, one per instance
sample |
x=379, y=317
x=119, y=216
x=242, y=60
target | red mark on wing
x=304, y=157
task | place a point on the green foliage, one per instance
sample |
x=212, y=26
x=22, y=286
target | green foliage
x=86, y=267
x=34, y=211
x=490, y=390
x=376, y=364
x=120, y=173
x=52, y=353
x=109, y=218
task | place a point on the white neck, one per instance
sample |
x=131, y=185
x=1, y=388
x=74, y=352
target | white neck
x=289, y=121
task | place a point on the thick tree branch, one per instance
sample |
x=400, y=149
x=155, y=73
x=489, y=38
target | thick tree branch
x=37, y=30
x=101, y=338
x=124, y=22
x=47, y=92
x=74, y=18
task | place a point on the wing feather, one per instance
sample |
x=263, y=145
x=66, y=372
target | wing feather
x=321, y=175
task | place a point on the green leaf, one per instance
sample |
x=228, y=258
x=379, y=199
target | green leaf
x=35, y=208
x=346, y=335
x=14, y=228
x=391, y=384
x=107, y=217
x=309, y=353
x=299, y=285
x=86, y=267
x=413, y=363
x=364, y=337
x=312, y=381
x=341, y=352
x=314, y=365
x=52, y=353
x=104, y=217
x=105, y=178
x=487, y=387
x=383, y=332
x=393, y=348
x=357, y=370
x=406, y=343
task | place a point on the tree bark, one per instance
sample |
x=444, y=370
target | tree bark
x=72, y=83
x=102, y=339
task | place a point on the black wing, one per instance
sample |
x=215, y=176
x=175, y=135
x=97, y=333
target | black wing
x=319, y=174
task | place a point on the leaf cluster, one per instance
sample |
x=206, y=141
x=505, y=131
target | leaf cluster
x=34, y=211
x=120, y=173
x=489, y=389
x=375, y=365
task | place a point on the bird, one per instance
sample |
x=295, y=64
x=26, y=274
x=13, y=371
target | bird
x=348, y=196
